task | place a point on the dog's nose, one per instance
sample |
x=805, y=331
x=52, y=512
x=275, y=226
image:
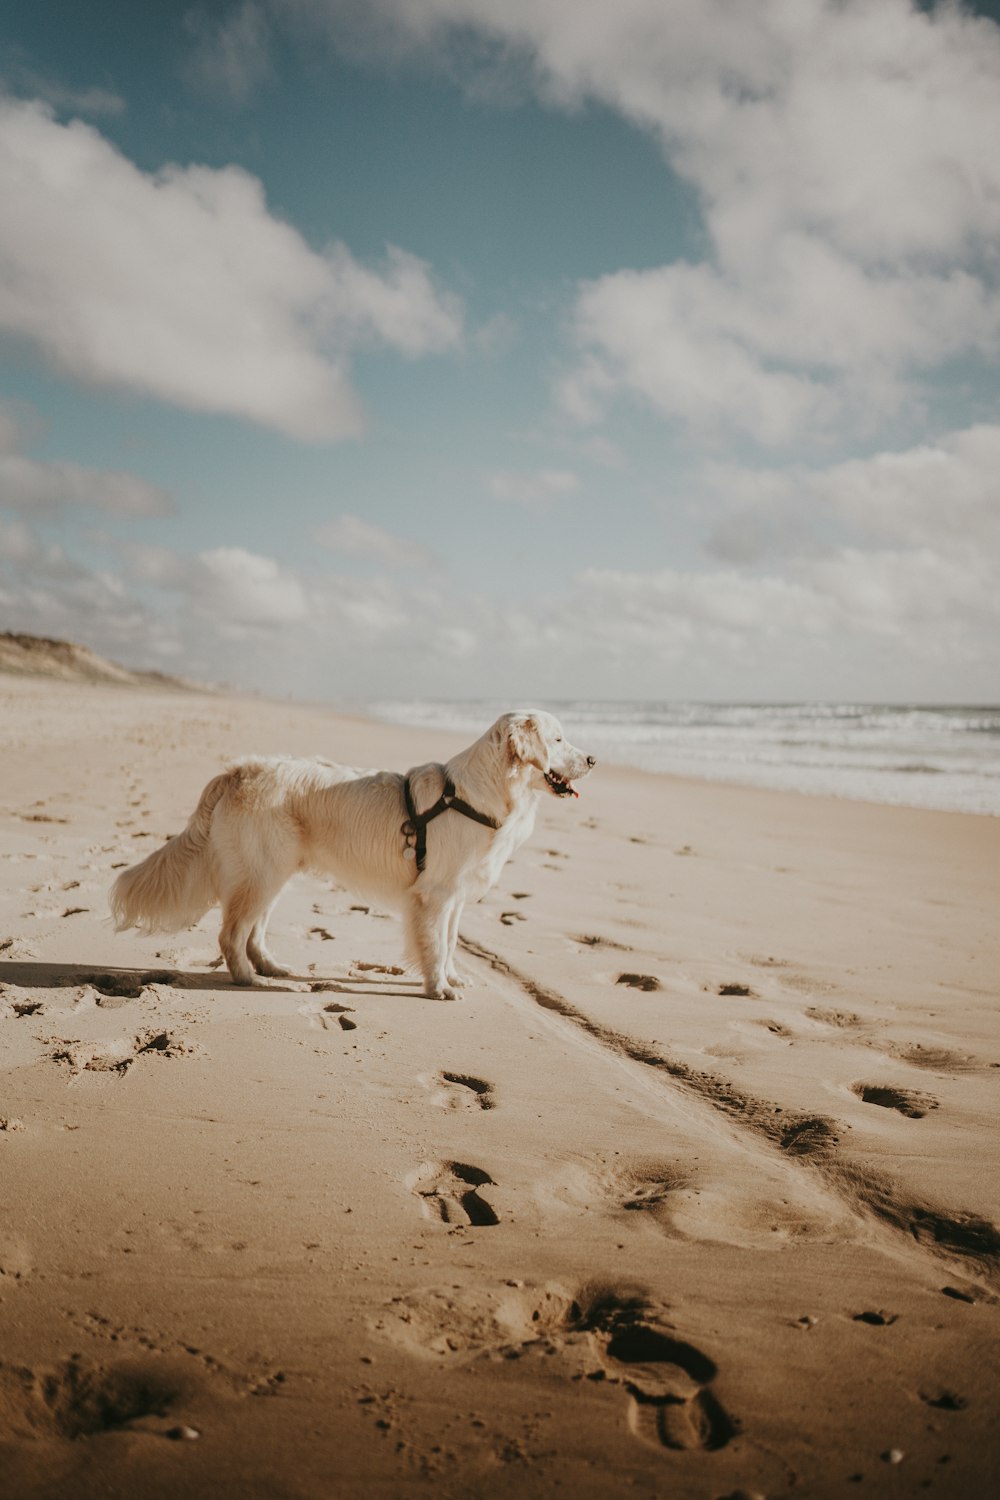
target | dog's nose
x=591, y=762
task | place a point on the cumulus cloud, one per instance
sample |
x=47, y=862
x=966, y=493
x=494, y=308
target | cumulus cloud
x=182, y=285
x=898, y=547
x=841, y=622
x=45, y=590
x=351, y=536
x=843, y=157
x=942, y=495
x=240, y=589
x=533, y=488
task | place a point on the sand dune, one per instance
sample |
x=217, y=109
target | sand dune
x=42, y=656
x=693, y=1193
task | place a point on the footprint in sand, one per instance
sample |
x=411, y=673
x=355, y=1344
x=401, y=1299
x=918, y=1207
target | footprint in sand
x=842, y=1020
x=160, y=1395
x=668, y=1380
x=117, y=1055
x=508, y=918
x=776, y=1028
x=905, y=1101
x=591, y=940
x=126, y=984
x=943, y=1400
x=325, y=1017
x=646, y=1187
x=80, y=1400
x=934, y=1059
x=448, y=1190
x=460, y=1091
x=504, y=1319
x=647, y=982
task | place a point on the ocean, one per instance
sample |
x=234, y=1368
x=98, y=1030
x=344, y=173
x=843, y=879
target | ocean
x=912, y=755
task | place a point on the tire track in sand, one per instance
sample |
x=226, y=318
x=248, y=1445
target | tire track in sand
x=815, y=1138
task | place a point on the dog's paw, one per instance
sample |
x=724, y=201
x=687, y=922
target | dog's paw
x=274, y=971
x=443, y=992
x=457, y=981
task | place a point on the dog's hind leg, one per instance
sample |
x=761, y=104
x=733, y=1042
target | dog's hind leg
x=257, y=950
x=244, y=909
x=427, y=919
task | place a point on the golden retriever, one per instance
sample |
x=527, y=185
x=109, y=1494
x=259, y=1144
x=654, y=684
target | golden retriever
x=263, y=820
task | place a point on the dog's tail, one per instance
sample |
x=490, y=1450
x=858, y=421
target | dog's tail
x=173, y=886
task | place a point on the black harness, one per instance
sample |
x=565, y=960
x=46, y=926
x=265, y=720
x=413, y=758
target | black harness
x=414, y=830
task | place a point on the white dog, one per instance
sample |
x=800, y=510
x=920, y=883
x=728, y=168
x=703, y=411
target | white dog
x=425, y=843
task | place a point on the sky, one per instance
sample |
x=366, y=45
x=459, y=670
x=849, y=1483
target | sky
x=533, y=349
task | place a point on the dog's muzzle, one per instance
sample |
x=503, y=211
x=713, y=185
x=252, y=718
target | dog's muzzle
x=561, y=785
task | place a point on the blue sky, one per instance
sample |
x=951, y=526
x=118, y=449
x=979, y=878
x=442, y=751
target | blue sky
x=557, y=348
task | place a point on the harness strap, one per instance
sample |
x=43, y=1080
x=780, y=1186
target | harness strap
x=415, y=827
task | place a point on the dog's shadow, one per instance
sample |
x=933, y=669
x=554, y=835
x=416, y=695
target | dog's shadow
x=128, y=984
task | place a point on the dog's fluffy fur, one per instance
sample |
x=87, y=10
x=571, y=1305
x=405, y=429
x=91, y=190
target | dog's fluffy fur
x=263, y=820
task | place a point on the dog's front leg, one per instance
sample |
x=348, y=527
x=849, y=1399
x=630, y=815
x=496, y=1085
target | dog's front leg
x=429, y=920
x=455, y=916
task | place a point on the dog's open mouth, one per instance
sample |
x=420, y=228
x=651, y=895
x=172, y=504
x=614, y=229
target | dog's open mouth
x=561, y=785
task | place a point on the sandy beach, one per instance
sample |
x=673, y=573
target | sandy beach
x=693, y=1193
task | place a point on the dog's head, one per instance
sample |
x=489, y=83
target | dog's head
x=534, y=741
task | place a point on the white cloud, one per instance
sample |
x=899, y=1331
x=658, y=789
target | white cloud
x=843, y=153
x=44, y=486
x=901, y=547
x=37, y=485
x=353, y=537
x=231, y=588
x=842, y=622
x=46, y=591
x=231, y=56
x=534, y=487
x=398, y=305
x=663, y=335
x=19, y=76
x=19, y=543
x=148, y=563
x=182, y=285
x=943, y=495
x=239, y=588
x=665, y=610
x=868, y=125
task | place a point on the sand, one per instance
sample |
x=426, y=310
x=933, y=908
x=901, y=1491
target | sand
x=693, y=1193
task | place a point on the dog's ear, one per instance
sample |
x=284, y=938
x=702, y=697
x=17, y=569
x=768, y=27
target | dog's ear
x=525, y=743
